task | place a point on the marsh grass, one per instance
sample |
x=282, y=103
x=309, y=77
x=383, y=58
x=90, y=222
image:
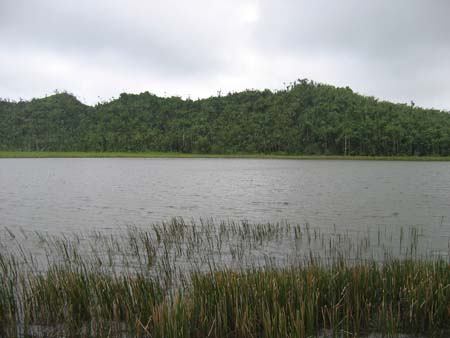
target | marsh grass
x=222, y=279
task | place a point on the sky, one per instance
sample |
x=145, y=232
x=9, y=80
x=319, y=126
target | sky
x=393, y=50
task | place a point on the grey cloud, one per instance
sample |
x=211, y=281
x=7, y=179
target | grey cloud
x=397, y=45
x=397, y=50
x=368, y=27
x=168, y=38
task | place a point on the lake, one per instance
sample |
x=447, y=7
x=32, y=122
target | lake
x=357, y=210
x=66, y=194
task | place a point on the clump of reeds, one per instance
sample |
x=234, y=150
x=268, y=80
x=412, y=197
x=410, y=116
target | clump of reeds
x=225, y=279
x=8, y=303
x=94, y=302
x=398, y=296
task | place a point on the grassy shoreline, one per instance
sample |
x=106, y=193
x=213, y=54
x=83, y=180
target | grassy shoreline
x=42, y=154
x=129, y=284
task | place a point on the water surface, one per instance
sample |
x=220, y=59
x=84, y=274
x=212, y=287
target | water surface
x=78, y=194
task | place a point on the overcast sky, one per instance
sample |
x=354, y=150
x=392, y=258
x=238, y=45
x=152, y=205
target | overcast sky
x=395, y=50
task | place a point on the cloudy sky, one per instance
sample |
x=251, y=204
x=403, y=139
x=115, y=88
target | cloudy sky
x=395, y=50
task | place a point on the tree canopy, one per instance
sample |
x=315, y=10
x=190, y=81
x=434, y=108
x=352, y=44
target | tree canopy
x=305, y=118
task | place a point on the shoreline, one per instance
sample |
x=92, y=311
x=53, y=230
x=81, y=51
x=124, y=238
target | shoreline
x=35, y=154
x=178, y=279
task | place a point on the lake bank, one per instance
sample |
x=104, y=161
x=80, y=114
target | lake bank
x=131, y=284
x=43, y=154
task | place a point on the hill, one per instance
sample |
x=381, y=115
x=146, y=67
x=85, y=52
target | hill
x=305, y=118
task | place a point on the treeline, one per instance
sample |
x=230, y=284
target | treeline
x=305, y=118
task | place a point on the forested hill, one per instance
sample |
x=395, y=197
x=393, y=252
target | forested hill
x=306, y=118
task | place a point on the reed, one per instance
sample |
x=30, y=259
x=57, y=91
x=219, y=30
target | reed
x=222, y=279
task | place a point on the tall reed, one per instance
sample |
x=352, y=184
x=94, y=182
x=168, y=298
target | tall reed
x=222, y=279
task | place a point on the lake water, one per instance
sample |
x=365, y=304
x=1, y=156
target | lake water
x=339, y=197
x=82, y=194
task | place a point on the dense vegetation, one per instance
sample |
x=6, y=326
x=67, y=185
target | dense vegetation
x=206, y=279
x=305, y=118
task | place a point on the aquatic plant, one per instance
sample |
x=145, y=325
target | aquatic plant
x=222, y=279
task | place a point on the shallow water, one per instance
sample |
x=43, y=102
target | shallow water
x=80, y=194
